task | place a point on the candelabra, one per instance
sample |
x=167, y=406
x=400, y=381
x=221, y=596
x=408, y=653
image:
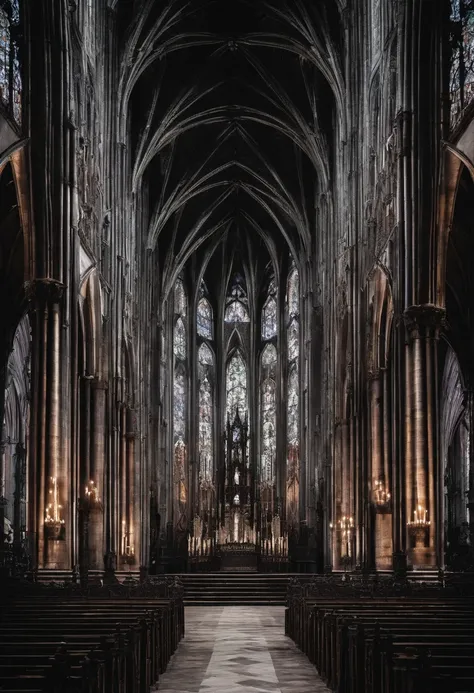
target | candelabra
x=420, y=523
x=381, y=497
x=91, y=497
x=128, y=550
x=54, y=524
x=345, y=525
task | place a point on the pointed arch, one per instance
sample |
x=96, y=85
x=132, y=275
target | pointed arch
x=205, y=355
x=90, y=311
x=236, y=312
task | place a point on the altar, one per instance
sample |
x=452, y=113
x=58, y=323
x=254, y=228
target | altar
x=235, y=556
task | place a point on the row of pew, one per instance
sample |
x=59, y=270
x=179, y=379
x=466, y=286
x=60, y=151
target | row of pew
x=377, y=643
x=59, y=642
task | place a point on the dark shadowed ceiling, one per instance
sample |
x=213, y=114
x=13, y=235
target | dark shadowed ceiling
x=233, y=107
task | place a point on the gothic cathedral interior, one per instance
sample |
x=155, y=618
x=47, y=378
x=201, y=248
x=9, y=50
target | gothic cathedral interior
x=237, y=323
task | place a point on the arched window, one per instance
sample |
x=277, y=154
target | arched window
x=293, y=396
x=269, y=318
x=204, y=319
x=268, y=431
x=236, y=386
x=206, y=414
x=236, y=312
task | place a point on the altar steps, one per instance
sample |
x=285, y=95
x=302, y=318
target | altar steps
x=227, y=589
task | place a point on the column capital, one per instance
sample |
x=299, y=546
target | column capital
x=44, y=291
x=425, y=320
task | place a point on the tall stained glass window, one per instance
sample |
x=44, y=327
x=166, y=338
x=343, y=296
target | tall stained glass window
x=180, y=401
x=204, y=319
x=269, y=318
x=293, y=396
x=236, y=386
x=268, y=415
x=462, y=57
x=206, y=414
x=10, y=72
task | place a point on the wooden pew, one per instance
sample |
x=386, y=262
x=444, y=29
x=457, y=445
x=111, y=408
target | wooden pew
x=376, y=642
x=94, y=641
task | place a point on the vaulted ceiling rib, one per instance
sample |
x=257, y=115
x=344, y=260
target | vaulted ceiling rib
x=227, y=115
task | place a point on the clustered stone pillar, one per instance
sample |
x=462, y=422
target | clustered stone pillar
x=380, y=476
x=97, y=474
x=423, y=324
x=49, y=475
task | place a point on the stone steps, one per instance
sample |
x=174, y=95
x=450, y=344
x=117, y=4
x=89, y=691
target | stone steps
x=227, y=588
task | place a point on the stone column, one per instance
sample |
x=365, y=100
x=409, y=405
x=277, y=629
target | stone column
x=133, y=502
x=379, y=474
x=49, y=475
x=423, y=324
x=97, y=475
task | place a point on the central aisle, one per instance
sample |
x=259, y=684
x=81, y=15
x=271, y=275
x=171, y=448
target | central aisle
x=238, y=649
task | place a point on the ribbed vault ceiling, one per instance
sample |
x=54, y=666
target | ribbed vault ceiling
x=233, y=108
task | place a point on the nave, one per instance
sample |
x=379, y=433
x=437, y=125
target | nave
x=238, y=649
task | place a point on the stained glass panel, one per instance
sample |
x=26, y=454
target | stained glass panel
x=180, y=302
x=462, y=57
x=236, y=312
x=10, y=72
x=293, y=407
x=179, y=405
x=269, y=356
x=206, y=446
x=293, y=339
x=204, y=318
x=293, y=296
x=236, y=386
x=205, y=356
x=268, y=418
x=269, y=318
x=179, y=340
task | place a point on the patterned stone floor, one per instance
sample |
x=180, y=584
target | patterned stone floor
x=238, y=649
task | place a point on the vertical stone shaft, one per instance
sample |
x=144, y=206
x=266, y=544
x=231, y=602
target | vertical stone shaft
x=423, y=324
x=97, y=474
